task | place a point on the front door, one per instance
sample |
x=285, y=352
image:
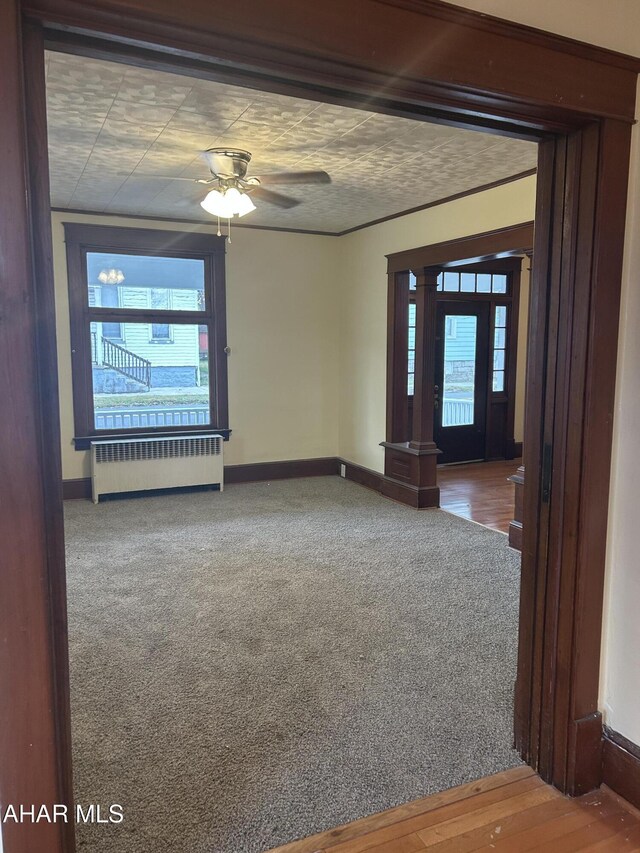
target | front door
x=462, y=370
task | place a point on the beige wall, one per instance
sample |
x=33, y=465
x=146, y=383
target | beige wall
x=364, y=302
x=283, y=333
x=620, y=683
x=615, y=26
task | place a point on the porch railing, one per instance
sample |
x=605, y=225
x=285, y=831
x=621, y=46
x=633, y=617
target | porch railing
x=457, y=412
x=125, y=362
x=152, y=417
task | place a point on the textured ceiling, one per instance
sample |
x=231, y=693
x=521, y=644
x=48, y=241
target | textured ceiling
x=111, y=124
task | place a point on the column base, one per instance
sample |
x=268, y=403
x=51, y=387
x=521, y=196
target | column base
x=411, y=474
x=515, y=526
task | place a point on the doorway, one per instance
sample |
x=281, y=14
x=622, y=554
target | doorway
x=476, y=380
x=583, y=170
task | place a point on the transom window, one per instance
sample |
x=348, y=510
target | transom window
x=472, y=282
x=148, y=331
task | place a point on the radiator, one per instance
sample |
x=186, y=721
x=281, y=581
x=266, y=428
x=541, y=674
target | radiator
x=138, y=464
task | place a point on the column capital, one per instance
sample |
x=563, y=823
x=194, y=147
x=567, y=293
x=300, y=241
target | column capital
x=427, y=276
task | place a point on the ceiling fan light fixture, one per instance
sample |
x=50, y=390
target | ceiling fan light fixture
x=227, y=203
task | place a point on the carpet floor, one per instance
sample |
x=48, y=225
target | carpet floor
x=254, y=666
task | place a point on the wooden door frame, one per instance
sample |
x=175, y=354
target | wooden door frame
x=509, y=261
x=496, y=75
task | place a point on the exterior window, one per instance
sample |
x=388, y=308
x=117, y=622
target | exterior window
x=499, y=347
x=148, y=331
x=160, y=301
x=412, y=349
x=471, y=282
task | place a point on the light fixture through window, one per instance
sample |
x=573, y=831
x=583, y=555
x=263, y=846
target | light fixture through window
x=112, y=276
x=227, y=203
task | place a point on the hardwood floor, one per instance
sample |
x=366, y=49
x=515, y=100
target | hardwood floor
x=510, y=812
x=479, y=491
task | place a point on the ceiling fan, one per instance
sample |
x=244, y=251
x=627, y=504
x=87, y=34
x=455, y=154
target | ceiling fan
x=233, y=192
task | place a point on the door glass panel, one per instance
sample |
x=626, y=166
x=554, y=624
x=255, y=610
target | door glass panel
x=499, y=347
x=501, y=315
x=459, y=376
x=412, y=349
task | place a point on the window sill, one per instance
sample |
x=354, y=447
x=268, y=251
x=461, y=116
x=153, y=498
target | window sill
x=83, y=442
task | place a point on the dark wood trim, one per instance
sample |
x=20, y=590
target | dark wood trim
x=445, y=200
x=35, y=759
x=324, y=466
x=515, y=535
x=422, y=437
x=151, y=241
x=251, y=472
x=200, y=223
x=511, y=375
x=514, y=449
x=82, y=238
x=571, y=369
x=362, y=476
x=473, y=248
x=397, y=425
x=389, y=487
x=485, y=22
x=621, y=765
x=37, y=141
x=83, y=442
x=410, y=473
x=526, y=85
x=416, y=497
x=77, y=490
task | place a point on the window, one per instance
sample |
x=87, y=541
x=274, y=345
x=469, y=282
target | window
x=148, y=331
x=472, y=282
x=160, y=301
x=412, y=349
x=499, y=347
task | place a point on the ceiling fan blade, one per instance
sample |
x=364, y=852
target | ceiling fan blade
x=273, y=198
x=296, y=178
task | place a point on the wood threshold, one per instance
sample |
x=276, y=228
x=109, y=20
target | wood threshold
x=509, y=811
x=357, y=829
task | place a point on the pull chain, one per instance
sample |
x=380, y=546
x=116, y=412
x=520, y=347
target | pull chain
x=219, y=232
x=229, y=227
